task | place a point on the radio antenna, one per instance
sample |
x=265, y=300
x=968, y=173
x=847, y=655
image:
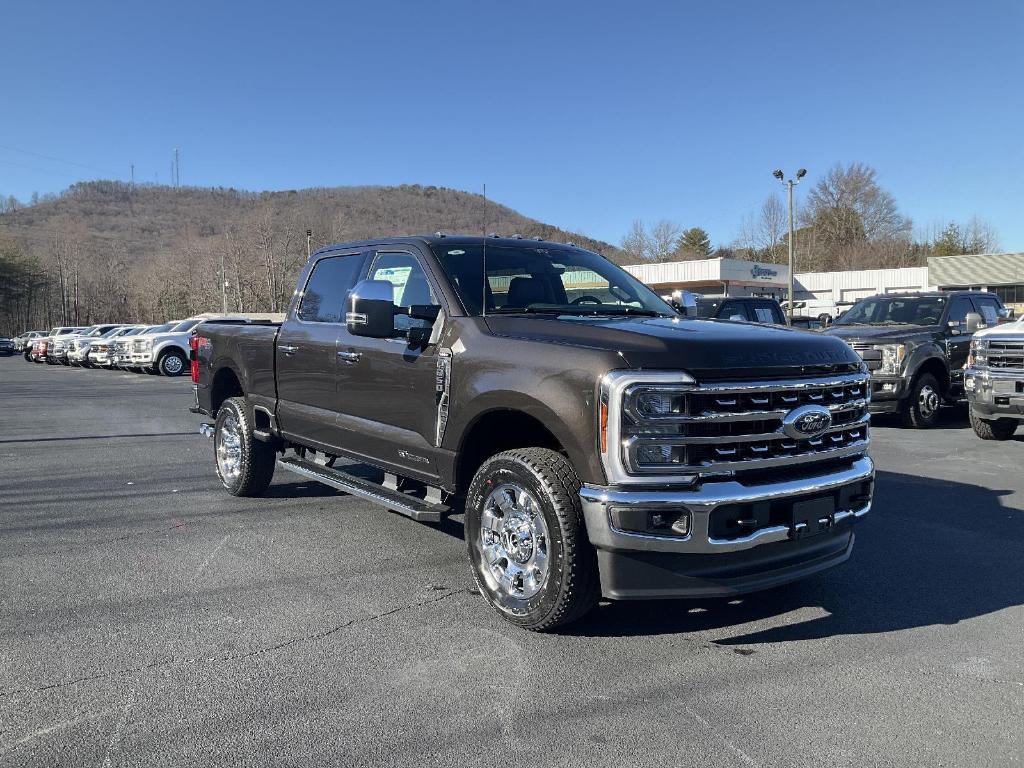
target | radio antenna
x=483, y=283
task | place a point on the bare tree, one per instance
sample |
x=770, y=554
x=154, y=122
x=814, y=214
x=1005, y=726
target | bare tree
x=636, y=244
x=764, y=232
x=848, y=206
x=663, y=239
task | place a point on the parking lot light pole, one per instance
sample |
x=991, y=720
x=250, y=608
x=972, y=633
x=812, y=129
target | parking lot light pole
x=778, y=174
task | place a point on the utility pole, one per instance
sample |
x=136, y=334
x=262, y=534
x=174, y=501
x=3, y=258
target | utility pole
x=790, y=183
x=133, y=175
x=223, y=286
x=309, y=243
x=177, y=169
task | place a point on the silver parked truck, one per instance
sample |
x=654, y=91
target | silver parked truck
x=994, y=381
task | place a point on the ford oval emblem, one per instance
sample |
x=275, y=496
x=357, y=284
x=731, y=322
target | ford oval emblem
x=806, y=421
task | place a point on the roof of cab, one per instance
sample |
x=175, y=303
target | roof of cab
x=437, y=238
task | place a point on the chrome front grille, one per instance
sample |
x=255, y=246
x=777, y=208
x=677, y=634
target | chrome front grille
x=729, y=427
x=1006, y=354
x=139, y=346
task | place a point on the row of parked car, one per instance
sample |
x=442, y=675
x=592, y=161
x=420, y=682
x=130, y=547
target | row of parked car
x=158, y=349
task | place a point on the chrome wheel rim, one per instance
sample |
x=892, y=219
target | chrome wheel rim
x=514, y=542
x=928, y=401
x=172, y=364
x=229, y=448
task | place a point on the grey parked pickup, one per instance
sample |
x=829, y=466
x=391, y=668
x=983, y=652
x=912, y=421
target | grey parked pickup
x=597, y=441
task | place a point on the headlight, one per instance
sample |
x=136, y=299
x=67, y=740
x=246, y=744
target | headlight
x=979, y=353
x=892, y=358
x=147, y=344
x=640, y=431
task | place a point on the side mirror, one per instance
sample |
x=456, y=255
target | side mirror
x=684, y=302
x=974, y=321
x=371, y=309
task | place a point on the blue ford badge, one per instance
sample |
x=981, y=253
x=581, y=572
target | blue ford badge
x=806, y=421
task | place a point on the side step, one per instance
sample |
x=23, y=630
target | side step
x=404, y=504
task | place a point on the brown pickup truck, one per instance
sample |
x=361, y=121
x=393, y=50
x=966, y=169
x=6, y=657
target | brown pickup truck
x=598, y=441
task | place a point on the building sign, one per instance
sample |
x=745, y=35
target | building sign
x=763, y=273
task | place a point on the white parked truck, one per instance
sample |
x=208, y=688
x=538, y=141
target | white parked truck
x=994, y=380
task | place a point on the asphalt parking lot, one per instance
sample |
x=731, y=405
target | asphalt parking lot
x=148, y=618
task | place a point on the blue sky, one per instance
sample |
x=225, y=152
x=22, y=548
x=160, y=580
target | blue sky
x=582, y=114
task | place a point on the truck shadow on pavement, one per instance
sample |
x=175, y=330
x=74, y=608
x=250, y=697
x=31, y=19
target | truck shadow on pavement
x=931, y=552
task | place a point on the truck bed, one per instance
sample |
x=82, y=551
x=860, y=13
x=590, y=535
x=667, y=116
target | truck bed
x=249, y=350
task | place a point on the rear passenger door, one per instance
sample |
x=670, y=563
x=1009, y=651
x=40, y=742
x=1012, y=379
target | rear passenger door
x=307, y=351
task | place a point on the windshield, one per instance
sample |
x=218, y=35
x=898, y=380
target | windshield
x=92, y=333
x=895, y=310
x=109, y=333
x=542, y=279
x=185, y=325
x=157, y=329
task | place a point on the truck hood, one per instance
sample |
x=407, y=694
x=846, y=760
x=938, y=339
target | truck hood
x=883, y=334
x=705, y=348
x=1007, y=329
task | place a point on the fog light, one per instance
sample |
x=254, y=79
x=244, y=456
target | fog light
x=655, y=522
x=970, y=384
x=889, y=387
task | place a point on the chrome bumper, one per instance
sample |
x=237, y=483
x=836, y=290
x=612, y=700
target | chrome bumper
x=995, y=392
x=701, y=502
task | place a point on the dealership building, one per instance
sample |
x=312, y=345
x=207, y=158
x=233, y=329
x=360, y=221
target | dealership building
x=1001, y=273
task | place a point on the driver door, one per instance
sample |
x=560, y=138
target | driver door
x=958, y=340
x=387, y=386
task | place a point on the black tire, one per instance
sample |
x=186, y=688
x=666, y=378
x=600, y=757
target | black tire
x=257, y=459
x=921, y=408
x=993, y=429
x=570, y=587
x=172, y=363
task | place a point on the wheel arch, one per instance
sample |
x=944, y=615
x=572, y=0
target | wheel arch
x=520, y=422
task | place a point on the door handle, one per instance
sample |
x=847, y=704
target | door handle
x=288, y=349
x=350, y=357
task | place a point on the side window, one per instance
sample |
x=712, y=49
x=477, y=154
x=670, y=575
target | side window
x=959, y=310
x=733, y=310
x=323, y=301
x=768, y=314
x=989, y=308
x=405, y=273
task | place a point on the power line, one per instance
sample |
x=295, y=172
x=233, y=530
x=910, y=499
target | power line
x=51, y=157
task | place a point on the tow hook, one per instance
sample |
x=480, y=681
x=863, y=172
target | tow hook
x=206, y=429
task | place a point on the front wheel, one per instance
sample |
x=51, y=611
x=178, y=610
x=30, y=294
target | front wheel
x=171, y=363
x=921, y=408
x=245, y=465
x=995, y=429
x=528, y=548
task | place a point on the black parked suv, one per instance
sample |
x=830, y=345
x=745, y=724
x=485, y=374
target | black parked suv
x=916, y=346
x=754, y=309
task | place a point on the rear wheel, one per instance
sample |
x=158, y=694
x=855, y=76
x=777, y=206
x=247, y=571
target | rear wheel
x=993, y=429
x=245, y=465
x=171, y=363
x=921, y=408
x=527, y=544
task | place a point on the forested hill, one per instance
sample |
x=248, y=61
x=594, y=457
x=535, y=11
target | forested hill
x=107, y=250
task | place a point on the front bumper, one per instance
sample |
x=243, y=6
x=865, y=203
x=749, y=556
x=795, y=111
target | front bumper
x=886, y=393
x=141, y=358
x=78, y=355
x=996, y=393
x=640, y=565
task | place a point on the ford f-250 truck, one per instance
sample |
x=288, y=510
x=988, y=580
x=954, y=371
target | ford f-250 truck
x=597, y=442
x=994, y=380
